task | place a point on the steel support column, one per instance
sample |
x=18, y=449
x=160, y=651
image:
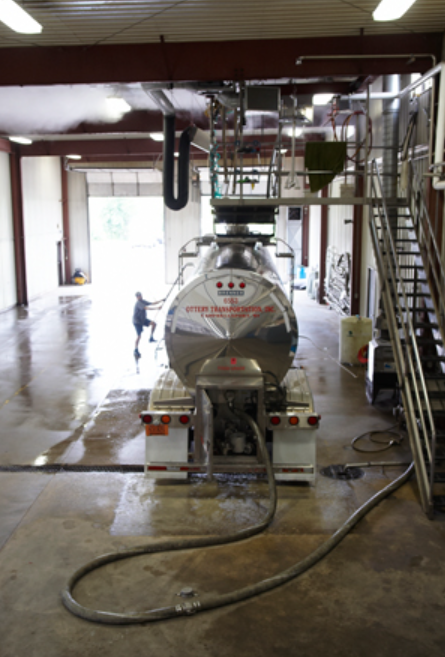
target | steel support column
x=357, y=231
x=19, y=230
x=305, y=237
x=66, y=224
x=323, y=246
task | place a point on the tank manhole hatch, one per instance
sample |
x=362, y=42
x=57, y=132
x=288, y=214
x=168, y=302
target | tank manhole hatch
x=340, y=472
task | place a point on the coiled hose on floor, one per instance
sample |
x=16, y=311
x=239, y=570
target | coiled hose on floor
x=215, y=601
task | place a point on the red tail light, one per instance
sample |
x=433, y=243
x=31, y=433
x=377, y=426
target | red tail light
x=312, y=420
x=165, y=419
x=293, y=420
x=242, y=285
x=146, y=419
x=184, y=419
x=275, y=420
x=219, y=284
x=231, y=284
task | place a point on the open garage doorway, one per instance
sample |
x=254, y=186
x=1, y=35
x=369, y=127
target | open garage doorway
x=127, y=246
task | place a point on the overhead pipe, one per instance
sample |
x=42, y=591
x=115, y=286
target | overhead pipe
x=411, y=57
x=191, y=135
x=160, y=99
x=171, y=201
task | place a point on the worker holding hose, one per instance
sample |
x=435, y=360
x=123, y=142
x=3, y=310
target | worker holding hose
x=140, y=318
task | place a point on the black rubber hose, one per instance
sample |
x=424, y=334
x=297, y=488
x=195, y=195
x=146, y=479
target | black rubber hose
x=172, y=202
x=214, y=601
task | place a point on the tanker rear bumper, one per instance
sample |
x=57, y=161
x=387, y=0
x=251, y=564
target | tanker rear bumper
x=290, y=433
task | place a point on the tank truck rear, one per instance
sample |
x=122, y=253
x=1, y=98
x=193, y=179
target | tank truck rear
x=231, y=337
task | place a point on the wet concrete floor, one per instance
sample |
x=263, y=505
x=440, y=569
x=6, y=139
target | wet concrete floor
x=69, y=393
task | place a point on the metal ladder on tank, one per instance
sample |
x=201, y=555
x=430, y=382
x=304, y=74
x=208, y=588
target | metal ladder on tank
x=412, y=282
x=178, y=281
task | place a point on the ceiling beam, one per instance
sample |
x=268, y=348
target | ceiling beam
x=218, y=60
x=99, y=148
x=5, y=146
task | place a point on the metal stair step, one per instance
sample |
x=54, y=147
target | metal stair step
x=426, y=295
x=401, y=240
x=419, y=325
x=429, y=376
x=424, y=341
x=434, y=357
x=401, y=252
x=411, y=267
x=425, y=325
x=436, y=387
x=433, y=395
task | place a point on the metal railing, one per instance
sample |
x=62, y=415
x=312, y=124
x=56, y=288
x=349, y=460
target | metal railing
x=401, y=327
x=430, y=253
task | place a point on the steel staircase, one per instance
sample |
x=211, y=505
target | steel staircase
x=412, y=282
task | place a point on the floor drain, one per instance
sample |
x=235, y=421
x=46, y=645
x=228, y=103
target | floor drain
x=54, y=468
x=340, y=472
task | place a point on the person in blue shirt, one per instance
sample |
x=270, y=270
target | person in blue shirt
x=140, y=318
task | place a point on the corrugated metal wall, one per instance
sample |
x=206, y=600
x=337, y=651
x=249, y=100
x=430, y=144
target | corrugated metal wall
x=8, y=291
x=79, y=226
x=124, y=183
x=42, y=215
x=180, y=227
x=422, y=96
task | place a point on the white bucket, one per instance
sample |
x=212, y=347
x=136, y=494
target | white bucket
x=355, y=333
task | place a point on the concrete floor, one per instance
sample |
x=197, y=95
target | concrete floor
x=69, y=393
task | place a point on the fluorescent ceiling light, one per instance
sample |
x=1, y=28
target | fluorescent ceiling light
x=157, y=136
x=117, y=106
x=12, y=15
x=308, y=113
x=74, y=157
x=391, y=10
x=21, y=140
x=322, y=99
x=297, y=131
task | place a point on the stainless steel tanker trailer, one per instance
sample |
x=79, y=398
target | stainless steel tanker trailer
x=231, y=336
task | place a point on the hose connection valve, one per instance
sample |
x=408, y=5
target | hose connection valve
x=188, y=608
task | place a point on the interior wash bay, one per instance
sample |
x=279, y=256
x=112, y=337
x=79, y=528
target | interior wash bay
x=70, y=394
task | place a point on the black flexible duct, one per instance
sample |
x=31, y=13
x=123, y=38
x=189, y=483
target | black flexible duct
x=179, y=202
x=215, y=601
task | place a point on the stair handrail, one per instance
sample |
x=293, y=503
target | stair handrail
x=410, y=336
x=425, y=481
x=433, y=260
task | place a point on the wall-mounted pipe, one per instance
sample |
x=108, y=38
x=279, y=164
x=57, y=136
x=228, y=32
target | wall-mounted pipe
x=410, y=57
x=439, y=184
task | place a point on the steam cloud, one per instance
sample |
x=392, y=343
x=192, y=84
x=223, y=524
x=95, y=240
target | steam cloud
x=27, y=110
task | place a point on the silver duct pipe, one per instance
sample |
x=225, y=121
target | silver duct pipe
x=391, y=110
x=438, y=168
x=158, y=96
